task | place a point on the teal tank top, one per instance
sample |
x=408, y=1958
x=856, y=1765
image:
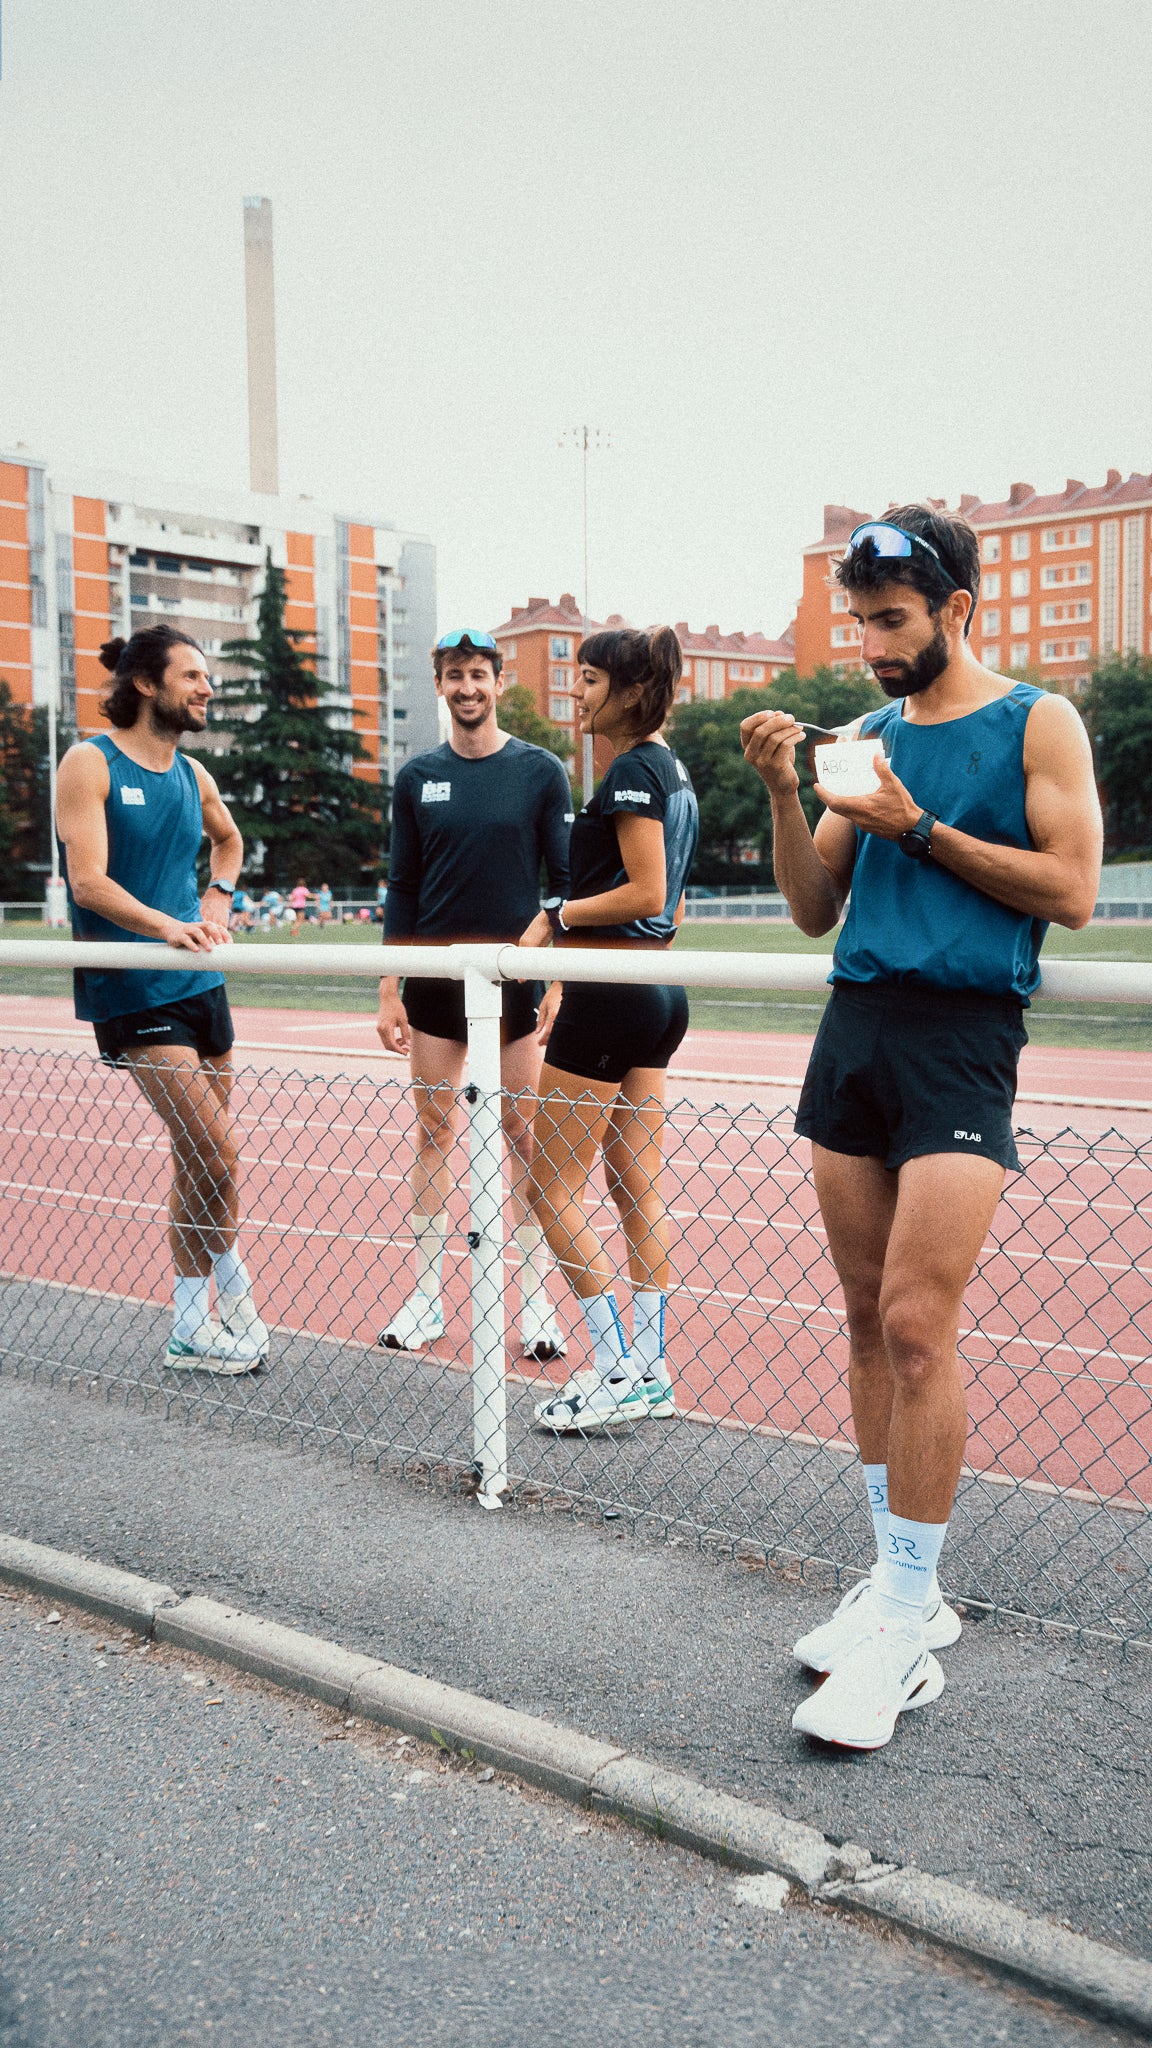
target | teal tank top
x=912, y=921
x=155, y=826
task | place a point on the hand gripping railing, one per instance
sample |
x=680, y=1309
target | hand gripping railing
x=482, y=968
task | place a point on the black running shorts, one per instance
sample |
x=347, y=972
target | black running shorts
x=203, y=1022
x=437, y=1007
x=898, y=1072
x=604, y=1029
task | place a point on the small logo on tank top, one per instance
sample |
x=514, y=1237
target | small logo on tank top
x=131, y=796
x=436, y=793
x=974, y=761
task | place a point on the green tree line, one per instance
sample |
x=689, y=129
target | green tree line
x=286, y=770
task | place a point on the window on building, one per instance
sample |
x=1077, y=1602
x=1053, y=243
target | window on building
x=718, y=681
x=509, y=650
x=991, y=620
x=990, y=585
x=1021, y=582
x=1065, y=537
x=1109, y=585
x=561, y=647
x=561, y=679
x=1021, y=546
x=990, y=654
x=1077, y=610
x=1020, y=618
x=560, y=708
x=990, y=548
x=509, y=675
x=167, y=565
x=845, y=636
x=684, y=694
x=839, y=600
x=1019, y=658
x=1068, y=572
x=1065, y=650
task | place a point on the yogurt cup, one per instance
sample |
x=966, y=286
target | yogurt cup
x=846, y=767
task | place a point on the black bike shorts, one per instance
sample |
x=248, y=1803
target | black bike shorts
x=898, y=1072
x=604, y=1029
x=437, y=1007
x=203, y=1022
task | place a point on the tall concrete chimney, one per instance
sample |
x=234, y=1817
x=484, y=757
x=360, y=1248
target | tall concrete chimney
x=260, y=302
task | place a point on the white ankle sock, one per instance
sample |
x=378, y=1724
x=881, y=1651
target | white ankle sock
x=908, y=1569
x=876, y=1481
x=191, y=1300
x=648, y=1328
x=429, y=1233
x=230, y=1272
x=609, y=1344
x=533, y=1260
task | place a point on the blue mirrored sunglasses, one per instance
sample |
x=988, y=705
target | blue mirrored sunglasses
x=893, y=542
x=469, y=634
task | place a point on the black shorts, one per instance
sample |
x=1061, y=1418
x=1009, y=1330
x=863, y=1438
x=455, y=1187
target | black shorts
x=204, y=1022
x=898, y=1072
x=604, y=1029
x=437, y=1007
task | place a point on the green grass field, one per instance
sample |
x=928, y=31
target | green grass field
x=1050, y=1022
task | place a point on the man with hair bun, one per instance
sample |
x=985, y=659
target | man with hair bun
x=602, y=1085
x=131, y=813
x=985, y=826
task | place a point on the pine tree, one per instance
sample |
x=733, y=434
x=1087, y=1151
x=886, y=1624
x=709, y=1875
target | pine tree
x=25, y=843
x=287, y=773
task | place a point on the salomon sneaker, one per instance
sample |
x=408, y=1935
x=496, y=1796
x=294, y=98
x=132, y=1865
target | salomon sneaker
x=823, y=1647
x=418, y=1323
x=588, y=1404
x=540, y=1334
x=859, y=1704
x=238, y=1316
x=213, y=1349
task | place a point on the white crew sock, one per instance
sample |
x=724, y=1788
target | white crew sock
x=908, y=1569
x=230, y=1272
x=191, y=1299
x=648, y=1328
x=609, y=1344
x=430, y=1233
x=533, y=1261
x=876, y=1481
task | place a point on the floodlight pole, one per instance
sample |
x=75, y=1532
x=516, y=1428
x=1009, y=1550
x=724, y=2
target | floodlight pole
x=584, y=438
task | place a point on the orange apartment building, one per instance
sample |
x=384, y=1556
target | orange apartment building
x=81, y=560
x=1065, y=581
x=540, y=639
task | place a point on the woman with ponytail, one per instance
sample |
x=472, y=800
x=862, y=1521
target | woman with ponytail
x=602, y=1084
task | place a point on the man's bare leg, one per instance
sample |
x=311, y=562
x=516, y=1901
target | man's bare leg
x=191, y=1094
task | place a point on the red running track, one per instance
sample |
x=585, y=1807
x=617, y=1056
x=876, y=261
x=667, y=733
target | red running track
x=1058, y=1329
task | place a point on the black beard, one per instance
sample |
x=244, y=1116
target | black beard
x=918, y=675
x=173, y=719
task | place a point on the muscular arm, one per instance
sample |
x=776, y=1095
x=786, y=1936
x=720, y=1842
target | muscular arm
x=81, y=793
x=1056, y=878
x=813, y=873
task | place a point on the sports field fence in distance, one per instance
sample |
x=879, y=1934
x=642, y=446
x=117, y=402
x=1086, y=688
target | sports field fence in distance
x=1054, y=1514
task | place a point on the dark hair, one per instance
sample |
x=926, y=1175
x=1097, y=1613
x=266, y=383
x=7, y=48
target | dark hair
x=954, y=541
x=145, y=655
x=442, y=654
x=650, y=662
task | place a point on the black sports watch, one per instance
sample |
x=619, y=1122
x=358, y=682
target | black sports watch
x=917, y=841
x=552, y=907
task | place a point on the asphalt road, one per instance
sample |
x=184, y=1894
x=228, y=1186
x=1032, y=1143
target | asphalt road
x=1030, y=1778
x=191, y=1856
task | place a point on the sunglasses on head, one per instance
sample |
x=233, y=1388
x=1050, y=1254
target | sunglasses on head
x=466, y=638
x=894, y=544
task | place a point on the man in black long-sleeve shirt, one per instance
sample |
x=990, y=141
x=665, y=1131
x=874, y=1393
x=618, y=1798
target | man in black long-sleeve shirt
x=472, y=821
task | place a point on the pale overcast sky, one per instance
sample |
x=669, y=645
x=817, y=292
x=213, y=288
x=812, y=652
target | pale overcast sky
x=830, y=249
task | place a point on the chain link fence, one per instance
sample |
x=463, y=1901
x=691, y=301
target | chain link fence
x=1054, y=1513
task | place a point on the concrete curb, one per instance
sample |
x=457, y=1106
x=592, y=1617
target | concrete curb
x=737, y=1832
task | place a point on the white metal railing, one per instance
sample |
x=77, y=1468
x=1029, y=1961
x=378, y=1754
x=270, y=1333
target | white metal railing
x=482, y=968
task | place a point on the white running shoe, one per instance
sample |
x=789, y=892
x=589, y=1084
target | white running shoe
x=540, y=1334
x=655, y=1390
x=213, y=1349
x=859, y=1704
x=418, y=1323
x=823, y=1647
x=588, y=1404
x=239, y=1317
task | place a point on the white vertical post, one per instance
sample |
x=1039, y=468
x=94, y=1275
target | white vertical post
x=482, y=1003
